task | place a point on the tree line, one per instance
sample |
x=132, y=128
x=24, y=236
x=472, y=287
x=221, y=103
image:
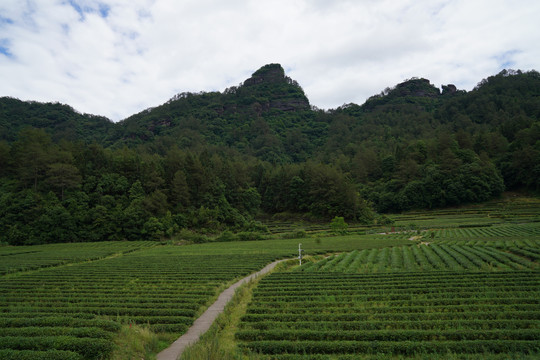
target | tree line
x=60, y=192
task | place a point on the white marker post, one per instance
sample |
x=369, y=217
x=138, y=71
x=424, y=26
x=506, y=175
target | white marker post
x=300, y=253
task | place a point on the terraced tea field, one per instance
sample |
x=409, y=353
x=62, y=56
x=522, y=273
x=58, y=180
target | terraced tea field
x=76, y=297
x=510, y=231
x=75, y=311
x=431, y=257
x=434, y=314
x=434, y=299
x=510, y=209
x=456, y=292
x=23, y=258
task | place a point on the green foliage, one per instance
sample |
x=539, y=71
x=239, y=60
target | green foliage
x=214, y=161
x=153, y=229
x=60, y=121
x=338, y=225
x=297, y=234
x=248, y=236
x=63, y=176
x=226, y=236
x=319, y=189
x=413, y=315
x=9, y=354
x=435, y=257
x=191, y=236
x=24, y=258
x=80, y=309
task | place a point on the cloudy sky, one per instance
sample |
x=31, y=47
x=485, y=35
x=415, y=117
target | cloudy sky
x=118, y=57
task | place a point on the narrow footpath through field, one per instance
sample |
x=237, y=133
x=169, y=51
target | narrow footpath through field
x=203, y=323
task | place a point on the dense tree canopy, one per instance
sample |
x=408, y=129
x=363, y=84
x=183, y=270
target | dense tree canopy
x=216, y=161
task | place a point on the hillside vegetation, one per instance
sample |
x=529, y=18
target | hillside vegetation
x=216, y=161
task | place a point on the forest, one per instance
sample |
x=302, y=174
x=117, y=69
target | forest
x=217, y=162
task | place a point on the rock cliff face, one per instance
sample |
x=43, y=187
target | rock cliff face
x=416, y=87
x=449, y=89
x=268, y=74
x=274, y=91
x=410, y=91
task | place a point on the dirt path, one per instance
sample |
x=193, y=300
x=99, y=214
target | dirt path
x=203, y=323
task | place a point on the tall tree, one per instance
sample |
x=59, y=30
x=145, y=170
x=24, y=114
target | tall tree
x=32, y=153
x=63, y=176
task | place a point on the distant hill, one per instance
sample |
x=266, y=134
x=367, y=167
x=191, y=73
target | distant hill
x=270, y=117
x=59, y=120
x=216, y=160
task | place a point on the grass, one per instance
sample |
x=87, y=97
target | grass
x=218, y=342
x=135, y=342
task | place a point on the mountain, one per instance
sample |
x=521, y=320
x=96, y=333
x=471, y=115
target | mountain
x=269, y=116
x=255, y=117
x=214, y=161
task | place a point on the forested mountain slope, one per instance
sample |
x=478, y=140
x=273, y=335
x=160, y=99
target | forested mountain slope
x=62, y=122
x=268, y=116
x=215, y=160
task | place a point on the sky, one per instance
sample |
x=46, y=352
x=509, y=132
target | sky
x=116, y=58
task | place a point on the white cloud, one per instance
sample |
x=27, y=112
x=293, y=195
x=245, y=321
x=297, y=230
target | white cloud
x=117, y=57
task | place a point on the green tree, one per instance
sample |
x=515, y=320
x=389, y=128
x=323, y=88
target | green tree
x=56, y=224
x=4, y=157
x=250, y=200
x=18, y=213
x=179, y=191
x=136, y=192
x=132, y=220
x=338, y=225
x=330, y=193
x=63, y=176
x=135, y=215
x=32, y=153
x=105, y=223
x=156, y=203
x=153, y=229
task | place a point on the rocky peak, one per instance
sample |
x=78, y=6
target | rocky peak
x=416, y=87
x=269, y=88
x=271, y=73
x=449, y=89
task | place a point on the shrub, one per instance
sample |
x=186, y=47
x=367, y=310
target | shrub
x=249, y=235
x=338, y=225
